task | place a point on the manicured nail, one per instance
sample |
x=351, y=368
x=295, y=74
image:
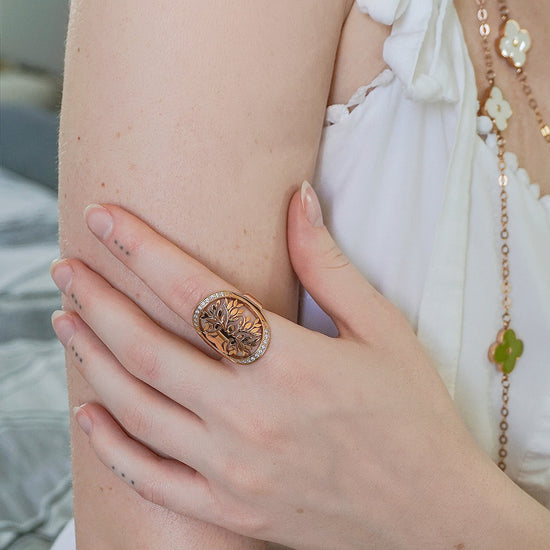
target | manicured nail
x=311, y=206
x=99, y=221
x=63, y=326
x=83, y=419
x=62, y=274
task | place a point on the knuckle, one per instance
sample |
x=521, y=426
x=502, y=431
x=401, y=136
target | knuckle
x=259, y=431
x=133, y=242
x=236, y=476
x=134, y=419
x=144, y=358
x=186, y=293
x=265, y=434
x=153, y=491
x=230, y=471
x=249, y=523
x=79, y=292
x=244, y=480
x=295, y=377
x=334, y=258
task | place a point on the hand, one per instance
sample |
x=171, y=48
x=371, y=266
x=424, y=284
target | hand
x=348, y=442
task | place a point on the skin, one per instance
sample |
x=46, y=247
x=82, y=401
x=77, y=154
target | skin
x=176, y=423
x=202, y=118
x=99, y=145
x=360, y=50
x=522, y=135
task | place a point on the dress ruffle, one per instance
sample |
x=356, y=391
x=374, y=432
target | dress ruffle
x=340, y=111
x=415, y=50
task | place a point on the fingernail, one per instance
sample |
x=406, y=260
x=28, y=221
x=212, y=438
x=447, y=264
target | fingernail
x=99, y=221
x=83, y=419
x=62, y=274
x=311, y=206
x=64, y=327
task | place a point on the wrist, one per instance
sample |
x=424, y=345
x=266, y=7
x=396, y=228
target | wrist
x=484, y=509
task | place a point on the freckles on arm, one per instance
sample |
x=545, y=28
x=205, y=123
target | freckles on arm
x=202, y=119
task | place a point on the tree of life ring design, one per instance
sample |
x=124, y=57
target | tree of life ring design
x=232, y=325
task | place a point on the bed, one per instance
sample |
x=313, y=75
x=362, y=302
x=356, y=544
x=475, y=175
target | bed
x=35, y=469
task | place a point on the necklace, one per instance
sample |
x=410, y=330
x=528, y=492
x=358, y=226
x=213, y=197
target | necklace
x=513, y=44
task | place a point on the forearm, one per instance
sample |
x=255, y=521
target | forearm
x=204, y=143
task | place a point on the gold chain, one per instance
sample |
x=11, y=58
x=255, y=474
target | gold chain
x=503, y=439
x=507, y=348
x=522, y=78
x=532, y=102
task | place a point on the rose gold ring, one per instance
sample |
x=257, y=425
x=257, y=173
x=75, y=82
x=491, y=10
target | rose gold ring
x=233, y=324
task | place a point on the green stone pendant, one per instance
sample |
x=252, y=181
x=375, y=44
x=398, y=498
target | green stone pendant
x=506, y=350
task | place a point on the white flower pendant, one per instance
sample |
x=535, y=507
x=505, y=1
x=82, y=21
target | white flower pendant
x=514, y=43
x=498, y=108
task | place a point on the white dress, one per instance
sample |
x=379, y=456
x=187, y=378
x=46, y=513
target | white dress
x=408, y=182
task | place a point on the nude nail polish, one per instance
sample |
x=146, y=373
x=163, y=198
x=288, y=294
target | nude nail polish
x=311, y=206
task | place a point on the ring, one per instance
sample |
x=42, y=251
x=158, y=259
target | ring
x=233, y=324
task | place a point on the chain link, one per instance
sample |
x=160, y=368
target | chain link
x=503, y=10
x=503, y=438
x=485, y=31
x=506, y=301
x=544, y=128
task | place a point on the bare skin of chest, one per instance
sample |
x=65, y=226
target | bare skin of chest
x=359, y=60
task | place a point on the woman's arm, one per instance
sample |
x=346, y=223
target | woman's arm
x=349, y=443
x=202, y=118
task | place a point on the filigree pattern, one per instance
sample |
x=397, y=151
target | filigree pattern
x=233, y=326
x=226, y=321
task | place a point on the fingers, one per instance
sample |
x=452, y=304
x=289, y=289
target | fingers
x=160, y=359
x=165, y=482
x=179, y=280
x=165, y=426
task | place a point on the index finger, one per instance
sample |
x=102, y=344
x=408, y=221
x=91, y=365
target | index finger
x=178, y=279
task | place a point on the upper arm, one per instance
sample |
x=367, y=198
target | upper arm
x=202, y=118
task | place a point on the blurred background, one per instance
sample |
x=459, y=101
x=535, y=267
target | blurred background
x=35, y=481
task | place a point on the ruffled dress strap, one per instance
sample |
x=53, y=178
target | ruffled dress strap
x=418, y=49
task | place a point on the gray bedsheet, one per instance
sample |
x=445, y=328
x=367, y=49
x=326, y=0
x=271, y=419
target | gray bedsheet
x=35, y=475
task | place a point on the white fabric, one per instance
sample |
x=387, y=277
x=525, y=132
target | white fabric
x=409, y=191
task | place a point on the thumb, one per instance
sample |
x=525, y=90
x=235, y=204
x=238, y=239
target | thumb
x=357, y=309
